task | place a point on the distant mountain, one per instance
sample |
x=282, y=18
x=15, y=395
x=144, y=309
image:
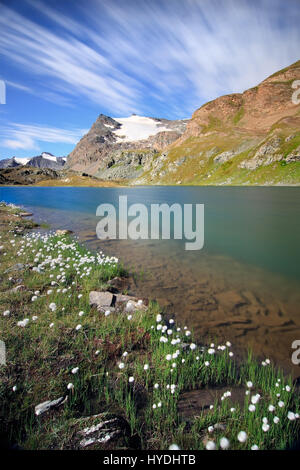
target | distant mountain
x=11, y=162
x=118, y=148
x=45, y=160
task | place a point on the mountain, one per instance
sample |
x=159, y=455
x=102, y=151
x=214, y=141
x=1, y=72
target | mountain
x=123, y=148
x=241, y=138
x=45, y=160
x=12, y=162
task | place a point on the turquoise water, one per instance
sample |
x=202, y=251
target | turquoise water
x=260, y=226
x=243, y=285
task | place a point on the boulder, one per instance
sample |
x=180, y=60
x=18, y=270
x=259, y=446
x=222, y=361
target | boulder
x=101, y=300
x=130, y=300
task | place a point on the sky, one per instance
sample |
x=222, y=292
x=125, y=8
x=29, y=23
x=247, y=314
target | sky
x=65, y=62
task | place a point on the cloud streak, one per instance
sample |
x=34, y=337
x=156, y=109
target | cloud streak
x=171, y=55
x=27, y=137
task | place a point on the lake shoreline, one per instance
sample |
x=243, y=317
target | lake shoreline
x=105, y=384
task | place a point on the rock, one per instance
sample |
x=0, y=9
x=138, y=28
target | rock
x=17, y=289
x=16, y=267
x=101, y=300
x=194, y=403
x=63, y=232
x=224, y=156
x=118, y=284
x=47, y=405
x=136, y=304
x=101, y=429
x=25, y=214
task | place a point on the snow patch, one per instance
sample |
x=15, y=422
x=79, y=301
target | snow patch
x=135, y=128
x=21, y=161
x=49, y=157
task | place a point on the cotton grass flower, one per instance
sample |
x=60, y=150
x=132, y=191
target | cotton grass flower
x=210, y=445
x=276, y=420
x=291, y=416
x=78, y=327
x=224, y=443
x=6, y=313
x=121, y=365
x=52, y=306
x=255, y=398
x=174, y=447
x=131, y=379
x=70, y=386
x=252, y=408
x=265, y=427
x=254, y=447
x=242, y=436
x=75, y=370
x=23, y=323
x=146, y=366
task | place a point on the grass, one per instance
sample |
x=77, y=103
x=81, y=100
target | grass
x=58, y=271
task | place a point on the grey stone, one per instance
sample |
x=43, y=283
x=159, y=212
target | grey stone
x=16, y=267
x=102, y=428
x=47, y=405
x=101, y=300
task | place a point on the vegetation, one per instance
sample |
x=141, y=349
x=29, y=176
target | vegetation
x=136, y=365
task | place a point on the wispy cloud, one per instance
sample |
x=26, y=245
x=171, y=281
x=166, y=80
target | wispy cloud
x=138, y=55
x=28, y=137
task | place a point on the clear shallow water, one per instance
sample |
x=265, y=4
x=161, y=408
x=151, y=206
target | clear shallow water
x=242, y=286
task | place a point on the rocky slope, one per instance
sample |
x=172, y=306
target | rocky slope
x=123, y=148
x=24, y=175
x=247, y=138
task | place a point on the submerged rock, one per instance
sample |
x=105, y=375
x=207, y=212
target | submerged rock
x=118, y=284
x=63, y=232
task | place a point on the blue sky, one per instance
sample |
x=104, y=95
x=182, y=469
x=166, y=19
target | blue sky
x=64, y=62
